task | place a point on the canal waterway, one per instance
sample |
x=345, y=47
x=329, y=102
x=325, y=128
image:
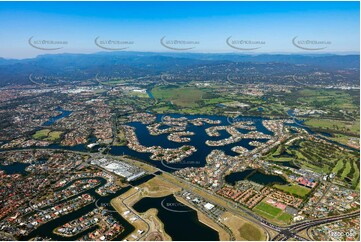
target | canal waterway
x=46, y=229
x=52, y=120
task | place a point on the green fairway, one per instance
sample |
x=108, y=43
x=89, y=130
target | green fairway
x=356, y=176
x=347, y=170
x=320, y=157
x=338, y=167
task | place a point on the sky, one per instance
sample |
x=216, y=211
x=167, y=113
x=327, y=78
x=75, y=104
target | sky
x=250, y=27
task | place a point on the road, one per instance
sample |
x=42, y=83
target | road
x=136, y=214
x=235, y=210
x=284, y=233
x=292, y=230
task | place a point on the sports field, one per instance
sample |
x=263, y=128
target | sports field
x=293, y=189
x=272, y=213
x=267, y=209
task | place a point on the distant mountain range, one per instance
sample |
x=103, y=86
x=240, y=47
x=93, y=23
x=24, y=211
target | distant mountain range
x=136, y=64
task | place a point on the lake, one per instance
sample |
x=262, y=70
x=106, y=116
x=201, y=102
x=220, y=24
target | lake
x=237, y=176
x=180, y=221
x=15, y=168
x=266, y=179
x=254, y=176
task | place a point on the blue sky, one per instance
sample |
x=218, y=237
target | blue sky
x=207, y=23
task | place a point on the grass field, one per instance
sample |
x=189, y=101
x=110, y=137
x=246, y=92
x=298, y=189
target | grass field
x=329, y=99
x=182, y=96
x=120, y=139
x=112, y=82
x=285, y=217
x=343, y=139
x=242, y=228
x=335, y=125
x=293, y=189
x=47, y=134
x=54, y=135
x=139, y=94
x=250, y=232
x=41, y=134
x=272, y=213
x=268, y=209
x=204, y=99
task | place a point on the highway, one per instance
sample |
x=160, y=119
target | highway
x=284, y=233
x=292, y=230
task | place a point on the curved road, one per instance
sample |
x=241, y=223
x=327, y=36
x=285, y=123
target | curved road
x=284, y=233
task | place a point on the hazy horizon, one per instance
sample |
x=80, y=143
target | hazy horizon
x=186, y=53
x=200, y=27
